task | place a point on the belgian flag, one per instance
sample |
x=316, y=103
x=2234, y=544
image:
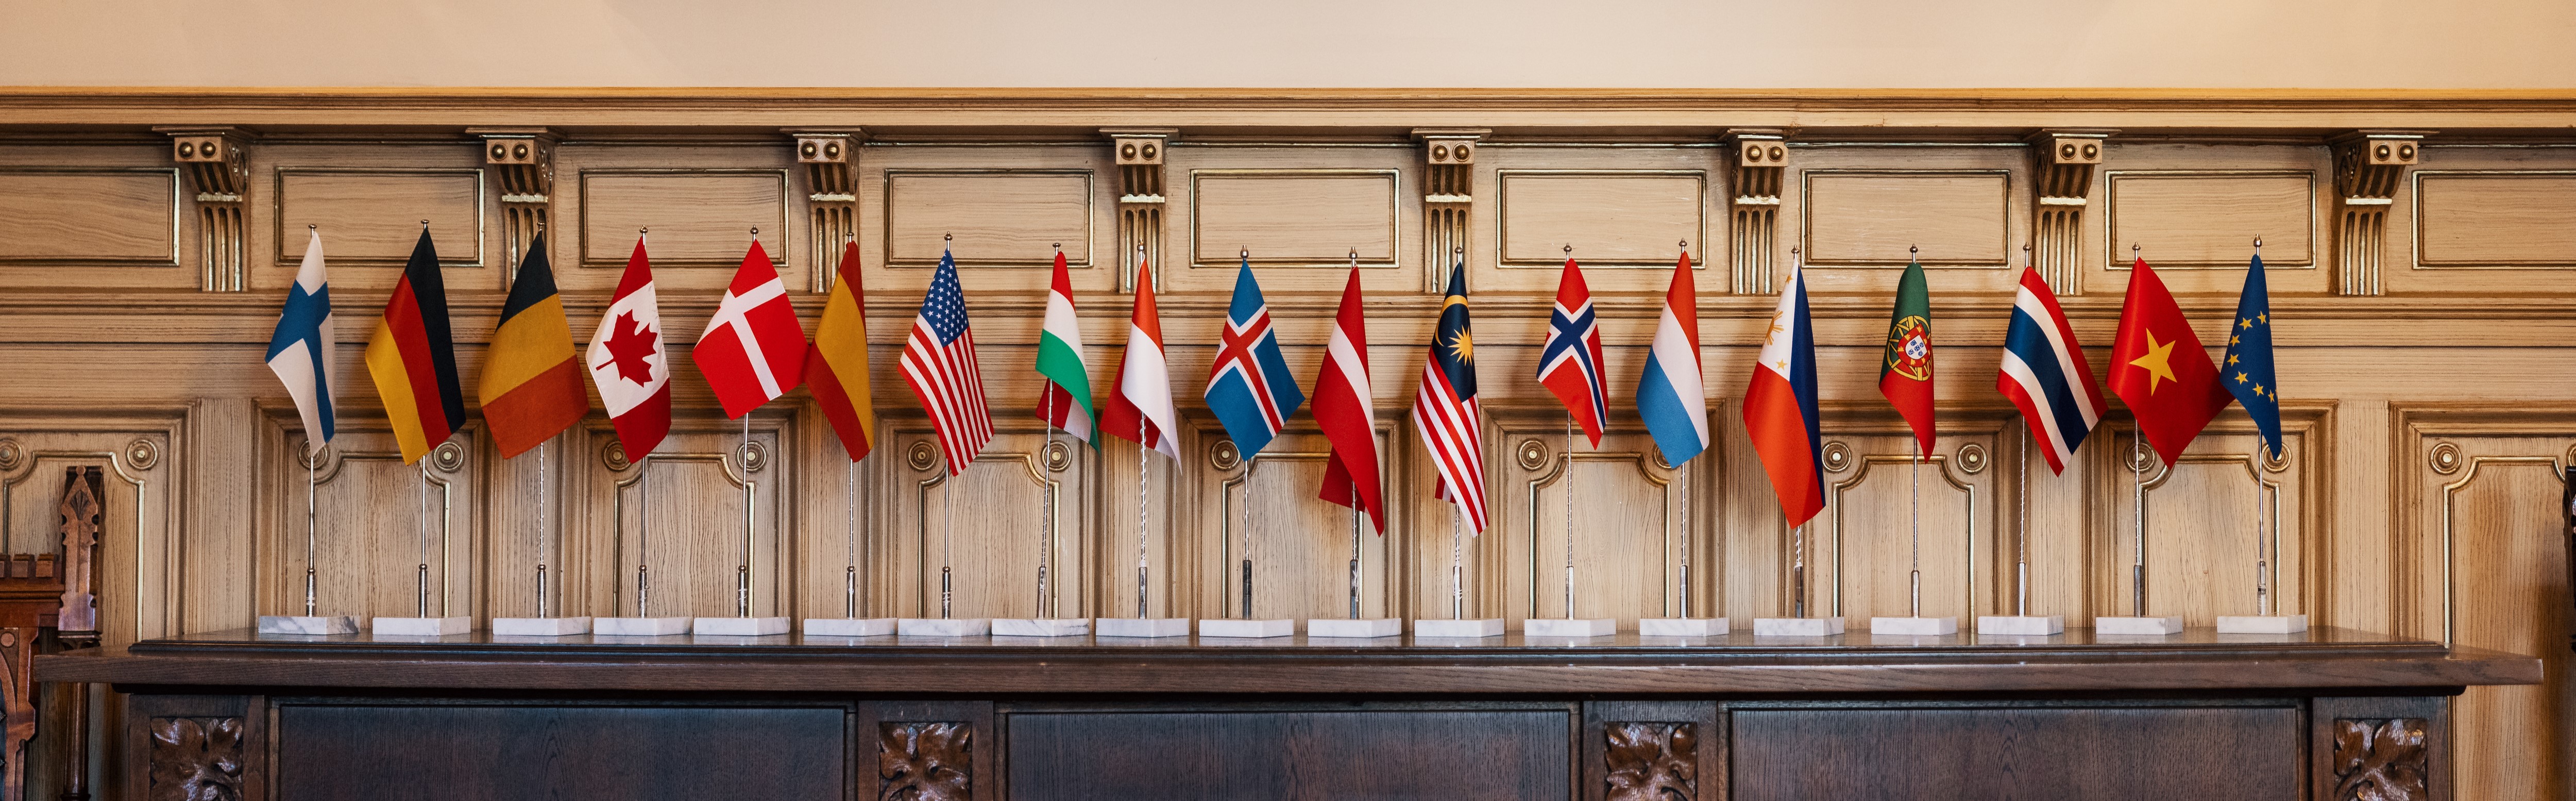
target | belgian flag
x=413, y=360
x=531, y=384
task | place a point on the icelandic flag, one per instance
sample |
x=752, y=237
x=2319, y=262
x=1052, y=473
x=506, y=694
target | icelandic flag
x=1569, y=364
x=1249, y=388
x=303, y=349
x=1670, y=396
x=2045, y=376
x=1780, y=407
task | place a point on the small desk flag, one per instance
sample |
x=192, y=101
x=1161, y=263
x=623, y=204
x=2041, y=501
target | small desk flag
x=628, y=363
x=2160, y=370
x=1065, y=403
x=1346, y=411
x=1249, y=387
x=754, y=349
x=1569, y=362
x=412, y=357
x=1905, y=372
x=836, y=367
x=2248, y=372
x=1445, y=410
x=531, y=384
x=302, y=349
x=1141, y=410
x=2045, y=376
x=939, y=364
x=1670, y=396
x=1780, y=406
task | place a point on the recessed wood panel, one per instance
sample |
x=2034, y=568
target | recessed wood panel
x=371, y=215
x=987, y=526
x=1611, y=217
x=560, y=752
x=1299, y=544
x=377, y=523
x=2231, y=753
x=698, y=217
x=1958, y=218
x=2184, y=219
x=1627, y=524
x=2497, y=219
x=124, y=217
x=1872, y=535
x=1378, y=754
x=2202, y=550
x=2500, y=511
x=999, y=217
x=680, y=514
x=1293, y=216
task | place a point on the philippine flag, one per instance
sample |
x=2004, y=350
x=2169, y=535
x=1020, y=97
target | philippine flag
x=1670, y=396
x=1780, y=407
x=2045, y=376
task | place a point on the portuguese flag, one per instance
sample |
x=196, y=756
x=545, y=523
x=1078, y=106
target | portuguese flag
x=1066, y=403
x=1905, y=376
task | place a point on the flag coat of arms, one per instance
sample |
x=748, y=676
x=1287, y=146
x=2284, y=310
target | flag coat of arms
x=1065, y=402
x=412, y=358
x=531, y=384
x=1905, y=375
x=300, y=352
x=2248, y=372
x=1141, y=410
x=754, y=349
x=939, y=364
x=628, y=363
x=836, y=367
x=1346, y=411
x=1670, y=396
x=1569, y=363
x=1445, y=410
x=1249, y=387
x=2045, y=376
x=1780, y=407
x=2159, y=368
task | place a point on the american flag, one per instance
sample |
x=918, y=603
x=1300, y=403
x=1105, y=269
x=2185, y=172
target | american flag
x=939, y=364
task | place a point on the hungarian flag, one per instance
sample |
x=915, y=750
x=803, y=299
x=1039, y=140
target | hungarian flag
x=1344, y=410
x=1905, y=375
x=1671, y=398
x=1065, y=403
x=531, y=386
x=2159, y=369
x=628, y=363
x=1141, y=410
x=1569, y=362
x=1780, y=407
x=413, y=359
x=754, y=349
x=837, y=366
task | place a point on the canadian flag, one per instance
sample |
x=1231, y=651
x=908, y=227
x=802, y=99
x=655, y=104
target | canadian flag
x=753, y=350
x=629, y=365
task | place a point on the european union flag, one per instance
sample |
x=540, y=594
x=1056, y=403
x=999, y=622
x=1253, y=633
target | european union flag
x=2247, y=373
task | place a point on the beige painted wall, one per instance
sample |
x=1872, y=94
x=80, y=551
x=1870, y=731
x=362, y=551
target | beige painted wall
x=2345, y=44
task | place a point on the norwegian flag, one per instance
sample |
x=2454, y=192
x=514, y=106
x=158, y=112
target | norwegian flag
x=754, y=349
x=939, y=364
x=1569, y=364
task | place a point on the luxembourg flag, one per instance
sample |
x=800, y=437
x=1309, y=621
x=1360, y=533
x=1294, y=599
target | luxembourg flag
x=301, y=351
x=1670, y=396
x=1780, y=407
x=2045, y=376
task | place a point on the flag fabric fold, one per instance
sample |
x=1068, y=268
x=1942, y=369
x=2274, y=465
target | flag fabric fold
x=1905, y=373
x=2159, y=368
x=2248, y=373
x=939, y=364
x=531, y=383
x=1347, y=413
x=628, y=363
x=1780, y=407
x=2045, y=376
x=412, y=357
x=836, y=367
x=1065, y=402
x=1569, y=362
x=302, y=350
x=1445, y=410
x=753, y=350
x=1141, y=410
x=1671, y=397
x=1249, y=387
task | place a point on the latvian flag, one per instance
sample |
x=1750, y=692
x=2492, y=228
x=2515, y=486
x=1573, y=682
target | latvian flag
x=939, y=364
x=1670, y=395
x=413, y=359
x=1445, y=410
x=1346, y=411
x=754, y=349
x=1780, y=407
x=2045, y=376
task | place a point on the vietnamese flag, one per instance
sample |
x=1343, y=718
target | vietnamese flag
x=2159, y=368
x=1905, y=374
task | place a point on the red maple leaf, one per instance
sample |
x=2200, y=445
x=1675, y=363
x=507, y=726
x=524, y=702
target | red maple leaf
x=631, y=348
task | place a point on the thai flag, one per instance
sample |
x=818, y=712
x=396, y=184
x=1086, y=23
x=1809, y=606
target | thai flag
x=1670, y=396
x=1780, y=407
x=1249, y=388
x=2043, y=369
x=1569, y=364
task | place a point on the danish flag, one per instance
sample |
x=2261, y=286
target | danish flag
x=753, y=350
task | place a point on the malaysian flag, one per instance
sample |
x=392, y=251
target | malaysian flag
x=1444, y=408
x=939, y=365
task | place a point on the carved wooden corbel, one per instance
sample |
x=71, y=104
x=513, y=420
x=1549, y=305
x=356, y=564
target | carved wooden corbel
x=2061, y=168
x=1760, y=166
x=831, y=162
x=218, y=167
x=1138, y=153
x=522, y=162
x=1448, y=196
x=2369, y=166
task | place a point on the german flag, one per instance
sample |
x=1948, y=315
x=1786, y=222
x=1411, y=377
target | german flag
x=837, y=366
x=531, y=384
x=413, y=360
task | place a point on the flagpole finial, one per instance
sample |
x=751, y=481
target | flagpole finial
x=1059, y=246
x=1460, y=250
x=1685, y=246
x=1912, y=249
x=2025, y=254
x=2133, y=250
x=424, y=225
x=755, y=233
x=317, y=228
x=2258, y=246
x=1569, y=250
x=947, y=237
x=1245, y=254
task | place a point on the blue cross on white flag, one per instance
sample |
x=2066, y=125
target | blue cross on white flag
x=302, y=351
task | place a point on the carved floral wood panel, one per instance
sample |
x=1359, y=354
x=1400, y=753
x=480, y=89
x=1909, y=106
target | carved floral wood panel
x=1652, y=761
x=2380, y=760
x=196, y=759
x=923, y=761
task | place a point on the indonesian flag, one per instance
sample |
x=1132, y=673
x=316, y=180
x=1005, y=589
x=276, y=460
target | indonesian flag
x=1343, y=410
x=753, y=350
x=1780, y=407
x=628, y=363
x=1141, y=409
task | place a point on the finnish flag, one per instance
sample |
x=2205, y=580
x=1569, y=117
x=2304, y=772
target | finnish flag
x=301, y=352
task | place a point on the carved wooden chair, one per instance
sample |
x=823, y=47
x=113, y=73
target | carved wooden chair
x=47, y=604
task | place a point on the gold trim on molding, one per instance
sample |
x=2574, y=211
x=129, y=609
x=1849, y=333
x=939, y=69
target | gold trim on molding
x=777, y=255
x=291, y=251
x=1503, y=215
x=2415, y=201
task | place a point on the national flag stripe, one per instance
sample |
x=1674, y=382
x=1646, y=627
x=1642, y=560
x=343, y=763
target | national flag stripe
x=1141, y=410
x=1671, y=396
x=1569, y=362
x=754, y=349
x=836, y=366
x=302, y=350
x=1065, y=400
x=938, y=363
x=1780, y=408
x=413, y=359
x=531, y=388
x=628, y=361
x=1445, y=408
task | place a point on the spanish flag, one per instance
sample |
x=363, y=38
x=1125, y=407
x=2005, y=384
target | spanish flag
x=413, y=360
x=837, y=366
x=531, y=384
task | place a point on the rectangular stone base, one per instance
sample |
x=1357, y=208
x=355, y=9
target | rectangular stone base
x=2262, y=624
x=848, y=626
x=944, y=626
x=1681, y=626
x=1450, y=628
x=1363, y=628
x=739, y=626
x=2021, y=625
x=1142, y=626
x=539, y=626
x=1915, y=626
x=2151, y=626
x=639, y=626
x=1041, y=626
x=1565, y=627
x=1230, y=627
x=420, y=626
x=302, y=624
x=1797, y=626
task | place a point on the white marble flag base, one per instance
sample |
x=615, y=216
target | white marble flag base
x=2262, y=624
x=1797, y=626
x=738, y=626
x=1454, y=628
x=421, y=626
x=2151, y=626
x=2021, y=625
x=1041, y=626
x=308, y=624
x=1917, y=626
x=539, y=626
x=944, y=626
x=1569, y=627
x=1362, y=628
x=1233, y=627
x=639, y=626
x=1681, y=626
x=848, y=626
x=1142, y=626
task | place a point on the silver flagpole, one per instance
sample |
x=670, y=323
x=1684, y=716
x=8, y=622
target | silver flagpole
x=750, y=497
x=1457, y=579
x=643, y=538
x=1355, y=550
x=1569, y=509
x=2021, y=536
x=542, y=606
x=1142, y=470
x=850, y=533
x=312, y=464
x=1247, y=534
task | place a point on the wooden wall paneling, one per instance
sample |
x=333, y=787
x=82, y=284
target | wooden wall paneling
x=2062, y=163
x=1442, y=536
x=1300, y=211
x=377, y=523
x=2195, y=209
x=700, y=201
x=369, y=202
x=1008, y=204
x=521, y=164
x=2053, y=511
x=1299, y=544
x=1115, y=549
x=2482, y=219
x=684, y=520
x=1448, y=200
x=1625, y=211
x=2201, y=541
x=95, y=217
x=2370, y=168
x=1865, y=537
x=1859, y=206
x=1628, y=534
x=990, y=533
